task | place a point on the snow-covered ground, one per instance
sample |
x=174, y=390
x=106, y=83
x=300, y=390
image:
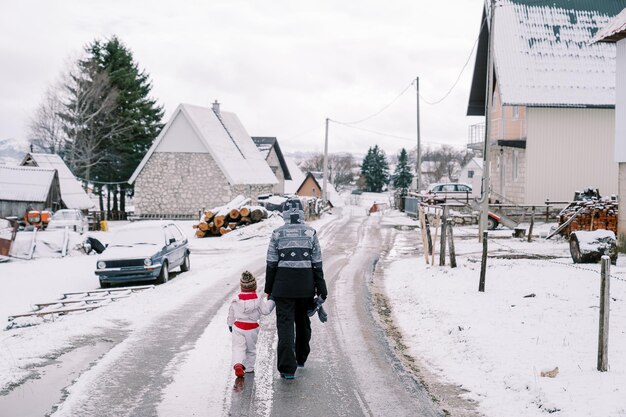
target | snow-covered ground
x=535, y=315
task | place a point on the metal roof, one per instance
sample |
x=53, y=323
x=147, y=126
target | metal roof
x=72, y=192
x=18, y=183
x=265, y=145
x=615, y=30
x=544, y=55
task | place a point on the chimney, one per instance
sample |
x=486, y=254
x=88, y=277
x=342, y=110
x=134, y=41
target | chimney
x=216, y=108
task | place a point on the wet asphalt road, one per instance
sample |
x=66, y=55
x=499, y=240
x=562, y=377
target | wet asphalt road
x=351, y=370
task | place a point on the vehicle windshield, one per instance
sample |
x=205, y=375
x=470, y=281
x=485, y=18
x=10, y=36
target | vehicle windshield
x=64, y=215
x=139, y=236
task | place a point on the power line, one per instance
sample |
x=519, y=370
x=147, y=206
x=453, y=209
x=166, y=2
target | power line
x=382, y=109
x=375, y=132
x=433, y=103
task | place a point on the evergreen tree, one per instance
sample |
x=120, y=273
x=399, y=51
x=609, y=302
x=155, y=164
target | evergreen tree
x=402, y=176
x=135, y=109
x=375, y=169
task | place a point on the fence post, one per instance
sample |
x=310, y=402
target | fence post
x=532, y=223
x=423, y=227
x=451, y=246
x=547, y=210
x=603, y=334
x=442, y=247
x=483, y=264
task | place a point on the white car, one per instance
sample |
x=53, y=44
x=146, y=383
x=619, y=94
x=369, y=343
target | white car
x=71, y=218
x=441, y=193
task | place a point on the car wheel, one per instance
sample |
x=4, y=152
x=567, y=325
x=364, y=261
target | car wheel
x=186, y=265
x=492, y=224
x=164, y=275
x=105, y=284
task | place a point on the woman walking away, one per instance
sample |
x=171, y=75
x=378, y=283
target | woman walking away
x=243, y=322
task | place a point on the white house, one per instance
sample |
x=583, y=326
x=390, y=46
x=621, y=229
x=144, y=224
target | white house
x=202, y=158
x=615, y=32
x=472, y=173
x=552, y=114
x=269, y=147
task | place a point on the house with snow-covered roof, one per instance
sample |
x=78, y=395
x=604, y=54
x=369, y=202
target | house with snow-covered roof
x=552, y=113
x=269, y=147
x=24, y=188
x=72, y=194
x=202, y=158
x=615, y=32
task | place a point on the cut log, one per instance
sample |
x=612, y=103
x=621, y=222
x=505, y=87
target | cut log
x=589, y=247
x=244, y=220
x=224, y=230
x=258, y=213
x=200, y=233
x=203, y=226
x=232, y=225
x=219, y=221
x=244, y=211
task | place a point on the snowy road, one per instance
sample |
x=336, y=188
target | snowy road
x=180, y=363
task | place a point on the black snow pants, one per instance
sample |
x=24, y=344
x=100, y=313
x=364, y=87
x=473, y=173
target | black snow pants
x=293, y=349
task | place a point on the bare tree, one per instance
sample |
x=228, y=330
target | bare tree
x=46, y=132
x=340, y=167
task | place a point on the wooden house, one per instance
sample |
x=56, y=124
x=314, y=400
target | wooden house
x=72, y=194
x=202, y=158
x=552, y=113
x=269, y=147
x=615, y=32
x=28, y=188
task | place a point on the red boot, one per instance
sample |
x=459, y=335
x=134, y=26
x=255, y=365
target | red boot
x=239, y=370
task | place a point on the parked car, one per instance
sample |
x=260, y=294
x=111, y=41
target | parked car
x=72, y=218
x=449, y=191
x=142, y=252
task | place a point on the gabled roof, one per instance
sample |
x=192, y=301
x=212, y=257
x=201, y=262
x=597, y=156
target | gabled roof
x=265, y=145
x=72, y=192
x=306, y=177
x=19, y=183
x=227, y=142
x=615, y=30
x=544, y=55
x=297, y=177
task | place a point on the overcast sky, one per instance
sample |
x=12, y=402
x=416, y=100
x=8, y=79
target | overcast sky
x=282, y=65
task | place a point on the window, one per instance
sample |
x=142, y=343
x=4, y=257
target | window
x=177, y=233
x=463, y=188
x=470, y=174
x=448, y=188
x=515, y=112
x=515, y=164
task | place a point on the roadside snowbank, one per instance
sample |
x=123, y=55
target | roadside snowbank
x=535, y=315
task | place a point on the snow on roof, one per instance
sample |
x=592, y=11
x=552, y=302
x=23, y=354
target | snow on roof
x=72, y=192
x=25, y=183
x=615, y=30
x=228, y=143
x=544, y=55
x=297, y=176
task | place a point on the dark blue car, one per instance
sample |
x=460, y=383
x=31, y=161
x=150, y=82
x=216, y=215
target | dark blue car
x=143, y=251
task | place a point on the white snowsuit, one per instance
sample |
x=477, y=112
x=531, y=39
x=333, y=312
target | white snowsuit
x=243, y=317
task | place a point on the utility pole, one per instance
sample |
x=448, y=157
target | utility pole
x=418, y=162
x=484, y=206
x=324, y=191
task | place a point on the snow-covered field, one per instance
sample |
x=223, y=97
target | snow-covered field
x=535, y=315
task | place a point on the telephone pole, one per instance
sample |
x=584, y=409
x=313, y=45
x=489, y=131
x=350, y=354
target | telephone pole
x=324, y=185
x=484, y=206
x=418, y=162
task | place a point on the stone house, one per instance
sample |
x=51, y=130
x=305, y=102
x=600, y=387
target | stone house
x=202, y=158
x=269, y=147
x=552, y=109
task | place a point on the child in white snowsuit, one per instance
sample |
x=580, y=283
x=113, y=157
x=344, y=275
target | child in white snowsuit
x=243, y=322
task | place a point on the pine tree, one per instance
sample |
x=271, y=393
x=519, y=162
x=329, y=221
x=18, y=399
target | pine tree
x=375, y=169
x=402, y=176
x=135, y=109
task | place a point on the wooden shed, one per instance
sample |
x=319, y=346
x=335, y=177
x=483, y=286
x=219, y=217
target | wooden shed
x=24, y=188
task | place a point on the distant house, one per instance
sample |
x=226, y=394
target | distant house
x=72, y=193
x=268, y=146
x=310, y=187
x=615, y=32
x=202, y=158
x=552, y=114
x=472, y=173
x=26, y=188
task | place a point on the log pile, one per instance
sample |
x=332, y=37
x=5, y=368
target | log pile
x=589, y=215
x=222, y=220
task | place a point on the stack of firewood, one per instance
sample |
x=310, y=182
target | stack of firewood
x=224, y=219
x=589, y=215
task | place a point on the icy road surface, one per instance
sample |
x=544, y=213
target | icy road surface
x=179, y=363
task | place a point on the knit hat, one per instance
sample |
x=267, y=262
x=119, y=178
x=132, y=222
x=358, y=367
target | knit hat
x=247, y=282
